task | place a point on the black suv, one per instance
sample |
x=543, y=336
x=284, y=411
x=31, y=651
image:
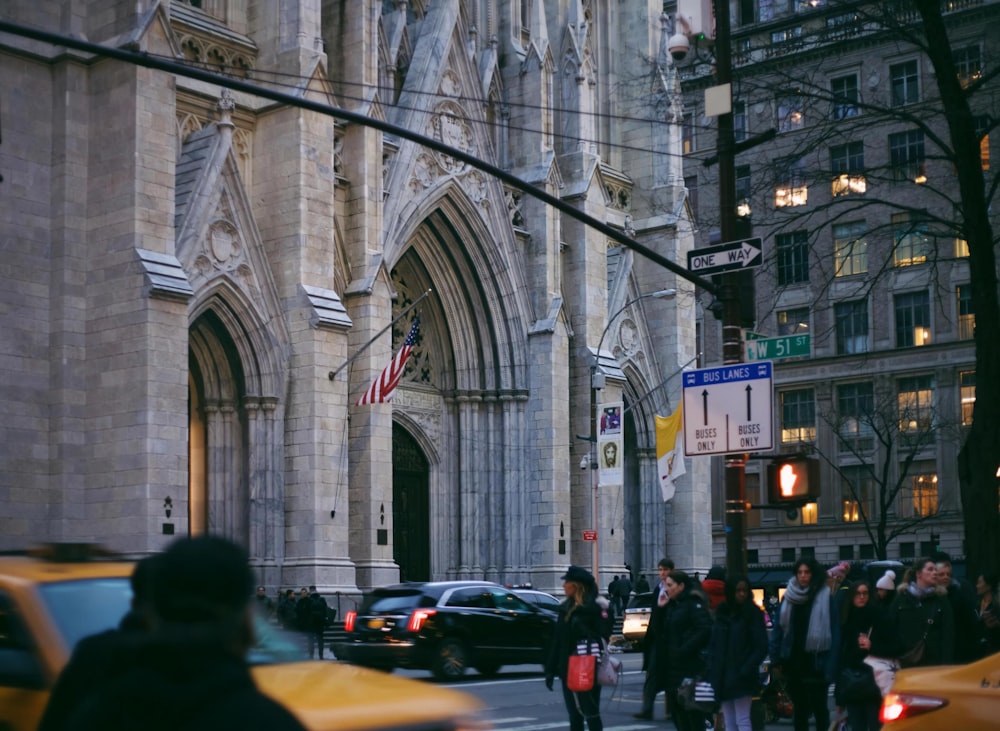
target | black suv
x=445, y=627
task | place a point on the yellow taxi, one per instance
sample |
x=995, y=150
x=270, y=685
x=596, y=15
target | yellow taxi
x=965, y=697
x=53, y=598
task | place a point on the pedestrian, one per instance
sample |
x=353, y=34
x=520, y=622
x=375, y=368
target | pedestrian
x=886, y=588
x=265, y=605
x=583, y=618
x=99, y=657
x=737, y=647
x=312, y=620
x=714, y=586
x=922, y=619
x=802, y=641
x=623, y=590
x=967, y=635
x=642, y=585
x=190, y=671
x=687, y=625
x=654, y=651
x=286, y=609
x=613, y=595
x=988, y=612
x=862, y=632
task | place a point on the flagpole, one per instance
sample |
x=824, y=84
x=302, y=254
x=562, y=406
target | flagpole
x=363, y=348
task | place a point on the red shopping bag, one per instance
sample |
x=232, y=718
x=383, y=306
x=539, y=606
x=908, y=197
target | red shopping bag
x=580, y=675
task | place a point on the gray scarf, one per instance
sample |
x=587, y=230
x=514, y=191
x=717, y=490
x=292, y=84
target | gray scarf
x=818, y=636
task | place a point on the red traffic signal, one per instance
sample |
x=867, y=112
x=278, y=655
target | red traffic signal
x=794, y=480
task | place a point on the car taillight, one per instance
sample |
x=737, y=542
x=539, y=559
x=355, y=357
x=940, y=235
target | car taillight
x=896, y=706
x=418, y=618
x=349, y=621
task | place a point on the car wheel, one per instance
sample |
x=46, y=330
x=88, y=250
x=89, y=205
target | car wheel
x=489, y=669
x=450, y=660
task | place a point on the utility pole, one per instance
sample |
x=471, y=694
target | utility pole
x=729, y=291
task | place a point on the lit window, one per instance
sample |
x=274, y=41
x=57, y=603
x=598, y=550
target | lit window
x=855, y=413
x=906, y=155
x=790, y=113
x=790, y=188
x=921, y=499
x=793, y=257
x=912, y=242
x=915, y=402
x=793, y=322
x=967, y=392
x=857, y=490
x=905, y=80
x=983, y=132
x=688, y=134
x=961, y=248
x=968, y=64
x=966, y=314
x=852, y=327
x=845, y=96
x=798, y=416
x=847, y=162
x=913, y=319
x=850, y=248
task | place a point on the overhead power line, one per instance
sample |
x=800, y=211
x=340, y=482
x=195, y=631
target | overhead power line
x=147, y=61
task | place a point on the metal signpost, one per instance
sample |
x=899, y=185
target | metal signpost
x=729, y=409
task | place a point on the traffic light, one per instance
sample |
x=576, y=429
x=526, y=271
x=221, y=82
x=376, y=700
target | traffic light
x=793, y=480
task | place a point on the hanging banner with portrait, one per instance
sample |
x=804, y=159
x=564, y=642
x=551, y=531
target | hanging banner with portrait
x=610, y=455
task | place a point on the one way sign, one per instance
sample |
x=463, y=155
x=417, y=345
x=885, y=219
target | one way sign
x=731, y=256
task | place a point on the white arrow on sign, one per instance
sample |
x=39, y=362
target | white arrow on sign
x=726, y=257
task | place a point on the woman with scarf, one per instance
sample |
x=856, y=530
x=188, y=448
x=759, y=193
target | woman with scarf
x=922, y=618
x=583, y=618
x=737, y=648
x=801, y=643
x=862, y=631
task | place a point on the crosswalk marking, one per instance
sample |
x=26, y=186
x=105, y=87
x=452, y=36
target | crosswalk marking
x=520, y=725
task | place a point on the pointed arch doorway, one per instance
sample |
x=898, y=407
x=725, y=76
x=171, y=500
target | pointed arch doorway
x=411, y=549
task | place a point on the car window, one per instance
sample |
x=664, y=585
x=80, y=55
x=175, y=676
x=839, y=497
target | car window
x=471, y=597
x=393, y=603
x=274, y=645
x=86, y=606
x=641, y=601
x=508, y=601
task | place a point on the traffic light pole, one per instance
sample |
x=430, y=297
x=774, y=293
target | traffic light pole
x=729, y=293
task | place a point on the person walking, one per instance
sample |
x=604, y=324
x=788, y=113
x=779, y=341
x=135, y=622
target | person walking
x=801, y=643
x=922, y=619
x=687, y=625
x=737, y=647
x=862, y=631
x=583, y=619
x=190, y=671
x=988, y=612
x=963, y=612
x=654, y=649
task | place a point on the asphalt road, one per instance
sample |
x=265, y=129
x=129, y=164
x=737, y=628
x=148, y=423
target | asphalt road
x=517, y=700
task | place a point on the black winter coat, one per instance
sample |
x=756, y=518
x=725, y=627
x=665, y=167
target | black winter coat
x=914, y=617
x=588, y=622
x=684, y=633
x=737, y=647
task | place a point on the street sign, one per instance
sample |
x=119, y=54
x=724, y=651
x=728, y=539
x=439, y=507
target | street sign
x=728, y=257
x=728, y=409
x=785, y=346
x=590, y=535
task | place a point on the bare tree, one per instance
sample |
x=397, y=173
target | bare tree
x=881, y=440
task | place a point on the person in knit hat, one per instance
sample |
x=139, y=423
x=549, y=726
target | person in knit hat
x=886, y=586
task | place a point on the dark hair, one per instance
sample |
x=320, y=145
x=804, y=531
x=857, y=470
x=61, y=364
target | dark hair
x=919, y=564
x=202, y=579
x=141, y=580
x=732, y=583
x=716, y=573
x=852, y=591
x=991, y=578
x=818, y=575
x=666, y=563
x=680, y=577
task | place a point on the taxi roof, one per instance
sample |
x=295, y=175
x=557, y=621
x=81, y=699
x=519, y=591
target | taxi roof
x=39, y=570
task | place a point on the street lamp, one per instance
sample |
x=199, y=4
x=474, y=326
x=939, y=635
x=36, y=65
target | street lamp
x=597, y=383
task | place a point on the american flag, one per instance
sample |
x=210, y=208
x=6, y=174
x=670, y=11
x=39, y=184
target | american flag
x=384, y=386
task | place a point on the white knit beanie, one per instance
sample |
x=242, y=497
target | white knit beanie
x=887, y=582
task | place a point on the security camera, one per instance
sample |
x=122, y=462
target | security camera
x=584, y=462
x=678, y=45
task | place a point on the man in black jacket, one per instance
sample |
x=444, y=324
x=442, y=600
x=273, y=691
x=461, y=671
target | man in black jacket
x=652, y=650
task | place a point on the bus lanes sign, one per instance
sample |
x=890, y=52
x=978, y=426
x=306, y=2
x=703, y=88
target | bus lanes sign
x=728, y=409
